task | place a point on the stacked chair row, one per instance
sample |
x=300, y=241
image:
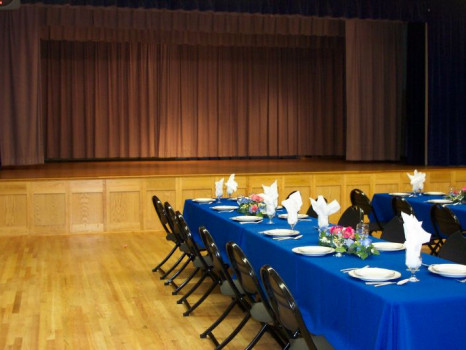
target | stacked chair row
x=275, y=309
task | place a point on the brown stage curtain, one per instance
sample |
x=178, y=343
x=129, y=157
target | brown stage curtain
x=21, y=138
x=130, y=100
x=374, y=73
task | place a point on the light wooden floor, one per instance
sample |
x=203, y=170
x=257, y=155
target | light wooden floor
x=98, y=292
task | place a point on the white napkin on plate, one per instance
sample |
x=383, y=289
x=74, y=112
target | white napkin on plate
x=231, y=184
x=293, y=205
x=417, y=180
x=219, y=188
x=324, y=209
x=272, y=192
x=415, y=236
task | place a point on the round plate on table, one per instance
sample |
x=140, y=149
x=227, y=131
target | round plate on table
x=280, y=232
x=313, y=250
x=374, y=274
x=440, y=201
x=224, y=207
x=300, y=216
x=388, y=246
x=247, y=218
x=448, y=270
x=203, y=200
x=434, y=193
x=399, y=194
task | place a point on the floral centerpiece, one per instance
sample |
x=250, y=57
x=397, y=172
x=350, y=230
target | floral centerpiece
x=252, y=205
x=457, y=196
x=346, y=240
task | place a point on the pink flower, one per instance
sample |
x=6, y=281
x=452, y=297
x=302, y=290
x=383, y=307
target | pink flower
x=254, y=208
x=463, y=189
x=335, y=230
x=256, y=198
x=348, y=232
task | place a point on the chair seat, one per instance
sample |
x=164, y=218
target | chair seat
x=197, y=261
x=320, y=342
x=259, y=313
x=225, y=288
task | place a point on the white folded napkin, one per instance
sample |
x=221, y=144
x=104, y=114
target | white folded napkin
x=417, y=180
x=219, y=188
x=231, y=184
x=269, y=204
x=415, y=236
x=272, y=192
x=324, y=209
x=293, y=205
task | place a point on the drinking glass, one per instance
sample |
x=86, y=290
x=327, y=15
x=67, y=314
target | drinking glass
x=271, y=214
x=413, y=265
x=338, y=244
x=362, y=229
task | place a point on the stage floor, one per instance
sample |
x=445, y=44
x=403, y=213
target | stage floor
x=117, y=169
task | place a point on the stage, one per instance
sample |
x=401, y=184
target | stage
x=87, y=197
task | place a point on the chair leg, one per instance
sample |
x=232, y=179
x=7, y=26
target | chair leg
x=169, y=271
x=220, y=319
x=177, y=273
x=159, y=266
x=193, y=288
x=257, y=337
x=201, y=299
x=234, y=333
x=186, y=281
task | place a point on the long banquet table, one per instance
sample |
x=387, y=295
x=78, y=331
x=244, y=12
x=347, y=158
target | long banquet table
x=430, y=314
x=382, y=203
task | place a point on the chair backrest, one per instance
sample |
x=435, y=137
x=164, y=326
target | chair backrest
x=160, y=210
x=311, y=212
x=284, y=305
x=401, y=205
x=245, y=274
x=352, y=216
x=394, y=231
x=454, y=248
x=359, y=198
x=444, y=220
x=219, y=266
x=173, y=223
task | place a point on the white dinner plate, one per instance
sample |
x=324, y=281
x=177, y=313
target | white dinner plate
x=224, y=207
x=399, y=194
x=449, y=270
x=247, y=218
x=313, y=250
x=434, y=193
x=374, y=274
x=388, y=246
x=300, y=216
x=440, y=201
x=280, y=232
x=203, y=200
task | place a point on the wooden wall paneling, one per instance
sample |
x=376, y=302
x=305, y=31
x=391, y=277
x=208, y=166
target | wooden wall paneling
x=256, y=181
x=87, y=206
x=197, y=187
x=166, y=189
x=301, y=183
x=14, y=208
x=50, y=207
x=439, y=181
x=390, y=182
x=459, y=177
x=124, y=206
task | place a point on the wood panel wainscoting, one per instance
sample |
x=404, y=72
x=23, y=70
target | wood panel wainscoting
x=100, y=204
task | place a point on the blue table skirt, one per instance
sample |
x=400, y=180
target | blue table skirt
x=426, y=315
x=382, y=203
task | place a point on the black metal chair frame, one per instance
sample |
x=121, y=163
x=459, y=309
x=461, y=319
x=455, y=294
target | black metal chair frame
x=352, y=216
x=445, y=223
x=280, y=298
x=253, y=293
x=360, y=199
x=454, y=248
x=399, y=205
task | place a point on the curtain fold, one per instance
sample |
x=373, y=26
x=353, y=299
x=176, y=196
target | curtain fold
x=21, y=139
x=374, y=54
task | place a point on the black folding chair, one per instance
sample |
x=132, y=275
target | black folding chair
x=359, y=198
x=311, y=212
x=352, y=216
x=454, y=248
x=288, y=314
x=401, y=205
x=445, y=224
x=259, y=307
x=394, y=231
x=160, y=210
x=228, y=287
x=201, y=263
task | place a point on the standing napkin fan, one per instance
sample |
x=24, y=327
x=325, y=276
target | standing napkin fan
x=293, y=205
x=417, y=180
x=324, y=210
x=415, y=236
x=272, y=193
x=232, y=185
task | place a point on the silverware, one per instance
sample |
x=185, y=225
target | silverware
x=353, y=268
x=386, y=283
x=462, y=281
x=250, y=222
x=288, y=237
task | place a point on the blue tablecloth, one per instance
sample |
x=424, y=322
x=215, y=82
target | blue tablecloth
x=429, y=314
x=382, y=203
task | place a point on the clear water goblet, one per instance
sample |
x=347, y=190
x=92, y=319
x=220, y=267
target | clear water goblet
x=413, y=266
